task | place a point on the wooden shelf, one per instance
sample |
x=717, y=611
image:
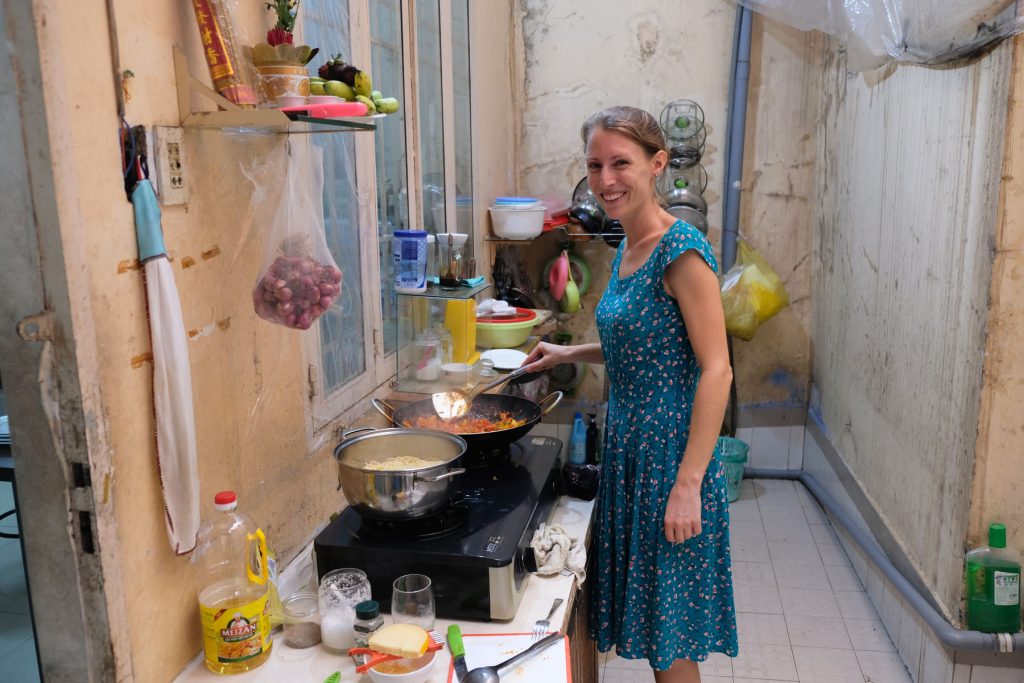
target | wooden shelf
x=232, y=117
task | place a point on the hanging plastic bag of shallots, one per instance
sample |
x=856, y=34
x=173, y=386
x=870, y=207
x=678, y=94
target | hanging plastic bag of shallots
x=299, y=279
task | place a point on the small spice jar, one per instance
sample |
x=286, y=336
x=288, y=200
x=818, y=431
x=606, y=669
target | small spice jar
x=302, y=620
x=368, y=620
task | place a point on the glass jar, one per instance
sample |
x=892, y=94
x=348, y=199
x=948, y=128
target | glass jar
x=485, y=368
x=302, y=620
x=340, y=591
x=428, y=357
x=450, y=255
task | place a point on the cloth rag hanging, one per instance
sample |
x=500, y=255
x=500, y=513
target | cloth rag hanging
x=172, y=376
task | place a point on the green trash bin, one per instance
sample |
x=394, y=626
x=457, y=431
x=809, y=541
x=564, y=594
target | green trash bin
x=734, y=456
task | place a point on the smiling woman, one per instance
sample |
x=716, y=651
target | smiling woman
x=663, y=344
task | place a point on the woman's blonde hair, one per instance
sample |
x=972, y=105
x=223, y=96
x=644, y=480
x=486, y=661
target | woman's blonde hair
x=636, y=124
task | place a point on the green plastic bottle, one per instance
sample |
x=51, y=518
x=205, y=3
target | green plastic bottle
x=993, y=586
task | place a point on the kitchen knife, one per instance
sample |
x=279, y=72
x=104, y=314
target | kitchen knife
x=458, y=651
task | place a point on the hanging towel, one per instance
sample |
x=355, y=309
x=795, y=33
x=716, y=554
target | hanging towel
x=172, y=378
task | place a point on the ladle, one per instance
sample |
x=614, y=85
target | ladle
x=490, y=674
x=455, y=402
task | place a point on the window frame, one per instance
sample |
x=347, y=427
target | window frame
x=353, y=398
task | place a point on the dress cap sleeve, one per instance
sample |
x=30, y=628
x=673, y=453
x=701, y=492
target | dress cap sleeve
x=682, y=237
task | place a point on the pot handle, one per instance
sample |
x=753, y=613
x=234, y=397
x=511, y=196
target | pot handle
x=447, y=475
x=358, y=430
x=385, y=409
x=554, y=398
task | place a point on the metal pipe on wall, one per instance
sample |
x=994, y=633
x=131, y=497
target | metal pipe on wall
x=948, y=635
x=736, y=126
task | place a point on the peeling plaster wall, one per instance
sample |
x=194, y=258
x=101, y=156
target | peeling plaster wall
x=909, y=178
x=580, y=59
x=998, y=475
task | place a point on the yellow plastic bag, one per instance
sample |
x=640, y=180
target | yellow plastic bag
x=751, y=293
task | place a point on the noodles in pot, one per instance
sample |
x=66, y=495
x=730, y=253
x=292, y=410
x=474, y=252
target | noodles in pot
x=400, y=462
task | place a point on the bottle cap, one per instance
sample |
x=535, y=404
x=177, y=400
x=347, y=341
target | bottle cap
x=368, y=609
x=225, y=500
x=997, y=535
x=579, y=416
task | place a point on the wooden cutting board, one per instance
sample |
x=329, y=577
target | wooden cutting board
x=551, y=665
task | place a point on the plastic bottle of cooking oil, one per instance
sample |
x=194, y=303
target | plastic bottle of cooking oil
x=993, y=586
x=231, y=554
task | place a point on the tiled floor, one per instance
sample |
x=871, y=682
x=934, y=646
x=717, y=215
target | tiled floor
x=17, y=646
x=802, y=612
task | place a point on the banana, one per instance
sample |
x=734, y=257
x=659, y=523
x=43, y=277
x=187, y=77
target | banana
x=362, y=84
x=340, y=89
x=387, y=105
x=369, y=104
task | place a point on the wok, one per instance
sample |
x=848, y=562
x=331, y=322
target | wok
x=487, y=406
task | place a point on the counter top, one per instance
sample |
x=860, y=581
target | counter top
x=314, y=664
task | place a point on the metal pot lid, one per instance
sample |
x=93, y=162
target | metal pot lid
x=381, y=444
x=688, y=214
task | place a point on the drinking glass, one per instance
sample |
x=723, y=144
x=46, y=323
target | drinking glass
x=412, y=601
x=340, y=591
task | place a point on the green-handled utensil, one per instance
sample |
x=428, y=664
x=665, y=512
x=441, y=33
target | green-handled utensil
x=458, y=651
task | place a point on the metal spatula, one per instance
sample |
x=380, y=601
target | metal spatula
x=455, y=402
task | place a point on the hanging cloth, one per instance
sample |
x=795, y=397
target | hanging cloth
x=172, y=377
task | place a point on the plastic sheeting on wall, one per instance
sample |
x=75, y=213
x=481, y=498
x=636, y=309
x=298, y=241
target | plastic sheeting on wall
x=906, y=31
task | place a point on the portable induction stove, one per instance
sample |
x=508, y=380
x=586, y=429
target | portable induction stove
x=476, y=552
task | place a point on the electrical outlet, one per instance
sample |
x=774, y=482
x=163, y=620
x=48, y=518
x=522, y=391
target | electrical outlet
x=169, y=162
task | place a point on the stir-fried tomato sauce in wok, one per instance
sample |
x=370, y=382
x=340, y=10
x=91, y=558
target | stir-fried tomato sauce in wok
x=465, y=425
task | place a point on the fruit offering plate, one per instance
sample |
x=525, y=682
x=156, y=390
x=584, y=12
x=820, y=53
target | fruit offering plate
x=550, y=665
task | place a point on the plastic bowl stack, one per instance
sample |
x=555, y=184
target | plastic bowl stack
x=517, y=218
x=505, y=332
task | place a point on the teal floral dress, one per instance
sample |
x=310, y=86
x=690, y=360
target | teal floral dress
x=652, y=599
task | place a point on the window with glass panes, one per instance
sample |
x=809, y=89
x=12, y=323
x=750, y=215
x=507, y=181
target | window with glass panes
x=421, y=43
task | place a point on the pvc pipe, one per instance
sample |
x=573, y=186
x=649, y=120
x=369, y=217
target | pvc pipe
x=737, y=124
x=948, y=635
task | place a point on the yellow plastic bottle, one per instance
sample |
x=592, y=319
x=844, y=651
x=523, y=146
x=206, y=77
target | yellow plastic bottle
x=231, y=554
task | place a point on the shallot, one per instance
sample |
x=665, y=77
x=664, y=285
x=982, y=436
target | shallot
x=296, y=290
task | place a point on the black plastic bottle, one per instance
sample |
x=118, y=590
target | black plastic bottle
x=593, y=440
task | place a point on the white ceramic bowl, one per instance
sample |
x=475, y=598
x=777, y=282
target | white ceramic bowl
x=457, y=372
x=323, y=99
x=419, y=674
x=517, y=224
x=291, y=101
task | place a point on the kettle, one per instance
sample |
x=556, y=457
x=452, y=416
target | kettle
x=587, y=211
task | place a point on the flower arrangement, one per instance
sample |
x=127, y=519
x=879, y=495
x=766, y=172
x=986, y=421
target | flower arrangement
x=279, y=48
x=286, y=11
x=281, y=66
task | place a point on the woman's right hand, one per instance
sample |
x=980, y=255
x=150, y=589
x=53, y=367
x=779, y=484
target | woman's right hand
x=546, y=355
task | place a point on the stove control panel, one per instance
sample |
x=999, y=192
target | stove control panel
x=494, y=544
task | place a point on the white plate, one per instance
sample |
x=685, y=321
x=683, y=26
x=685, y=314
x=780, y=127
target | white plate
x=505, y=359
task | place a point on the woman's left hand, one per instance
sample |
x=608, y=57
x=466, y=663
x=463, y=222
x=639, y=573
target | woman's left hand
x=682, y=514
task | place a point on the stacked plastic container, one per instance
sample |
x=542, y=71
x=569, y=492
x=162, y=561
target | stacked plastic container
x=517, y=218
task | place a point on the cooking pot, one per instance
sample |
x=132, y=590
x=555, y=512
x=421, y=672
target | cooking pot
x=402, y=493
x=487, y=406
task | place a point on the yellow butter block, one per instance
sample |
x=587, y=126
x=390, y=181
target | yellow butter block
x=401, y=640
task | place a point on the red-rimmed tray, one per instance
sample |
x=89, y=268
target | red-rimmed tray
x=521, y=315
